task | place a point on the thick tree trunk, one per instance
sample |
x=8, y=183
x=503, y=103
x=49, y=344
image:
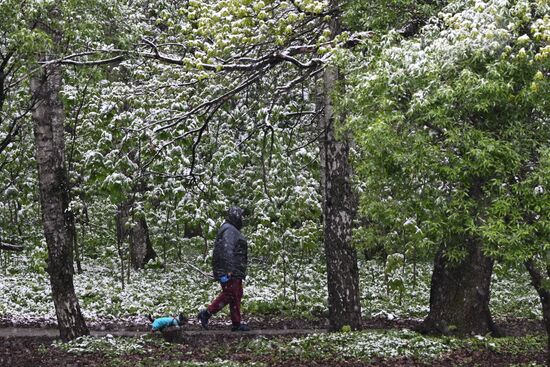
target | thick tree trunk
x=50, y=155
x=141, y=249
x=544, y=294
x=338, y=210
x=460, y=294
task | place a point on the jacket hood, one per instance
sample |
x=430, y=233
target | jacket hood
x=235, y=217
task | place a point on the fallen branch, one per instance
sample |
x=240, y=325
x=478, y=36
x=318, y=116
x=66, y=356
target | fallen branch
x=11, y=247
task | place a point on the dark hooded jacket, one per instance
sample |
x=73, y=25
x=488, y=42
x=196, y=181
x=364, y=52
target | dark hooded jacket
x=230, y=249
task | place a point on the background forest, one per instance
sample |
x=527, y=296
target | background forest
x=392, y=158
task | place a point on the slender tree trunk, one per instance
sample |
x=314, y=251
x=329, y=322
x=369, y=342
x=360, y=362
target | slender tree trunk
x=179, y=242
x=48, y=119
x=538, y=282
x=338, y=209
x=165, y=236
x=121, y=218
x=71, y=228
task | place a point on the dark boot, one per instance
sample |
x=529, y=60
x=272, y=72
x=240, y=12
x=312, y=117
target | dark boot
x=203, y=317
x=240, y=327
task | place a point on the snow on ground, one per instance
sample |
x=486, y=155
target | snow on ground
x=25, y=296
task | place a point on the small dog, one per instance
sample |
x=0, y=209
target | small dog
x=160, y=323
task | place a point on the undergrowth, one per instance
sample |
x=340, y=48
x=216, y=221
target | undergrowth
x=362, y=346
x=26, y=295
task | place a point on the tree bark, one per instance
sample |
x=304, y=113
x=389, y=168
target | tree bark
x=460, y=294
x=120, y=222
x=48, y=119
x=71, y=227
x=141, y=249
x=544, y=294
x=338, y=209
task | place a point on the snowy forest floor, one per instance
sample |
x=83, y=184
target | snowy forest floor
x=35, y=346
x=272, y=301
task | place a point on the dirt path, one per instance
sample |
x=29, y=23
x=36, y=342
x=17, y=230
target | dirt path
x=12, y=332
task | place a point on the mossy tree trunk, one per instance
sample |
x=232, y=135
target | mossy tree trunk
x=460, y=294
x=538, y=282
x=460, y=291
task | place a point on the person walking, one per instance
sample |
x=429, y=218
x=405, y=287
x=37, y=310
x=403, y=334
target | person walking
x=229, y=264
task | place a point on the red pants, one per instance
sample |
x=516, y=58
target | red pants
x=232, y=293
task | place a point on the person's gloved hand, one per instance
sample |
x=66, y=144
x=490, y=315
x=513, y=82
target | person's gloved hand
x=224, y=278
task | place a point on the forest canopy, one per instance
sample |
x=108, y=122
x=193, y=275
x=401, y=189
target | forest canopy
x=352, y=133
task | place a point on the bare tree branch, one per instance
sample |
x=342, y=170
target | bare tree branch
x=199, y=137
x=300, y=79
x=95, y=62
x=69, y=59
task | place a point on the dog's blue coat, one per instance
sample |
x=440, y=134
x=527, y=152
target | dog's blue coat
x=163, y=322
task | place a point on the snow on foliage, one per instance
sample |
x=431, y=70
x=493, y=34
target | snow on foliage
x=462, y=101
x=301, y=292
x=363, y=346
